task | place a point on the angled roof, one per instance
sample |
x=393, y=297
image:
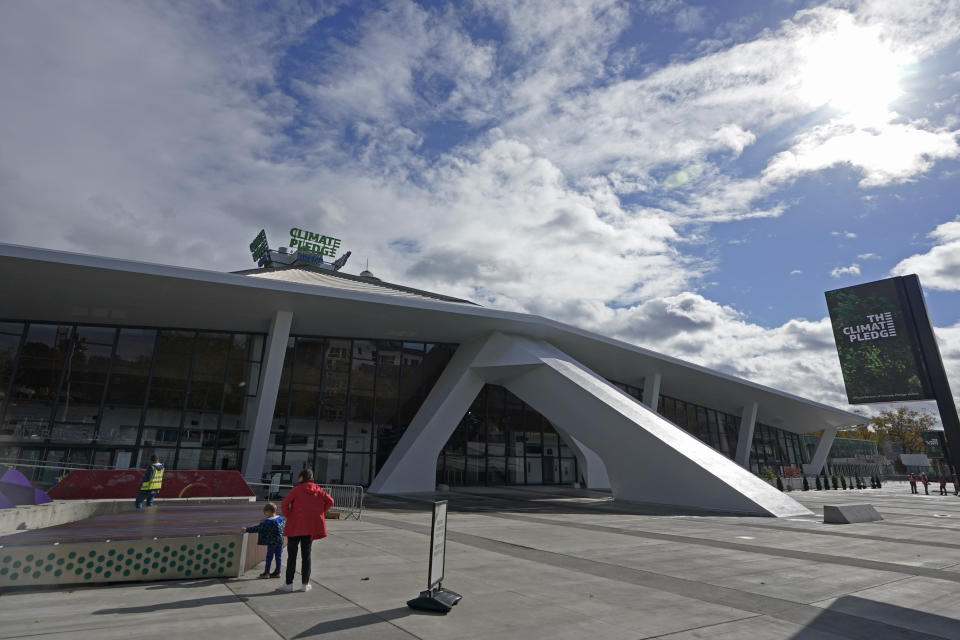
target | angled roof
x=346, y=281
x=57, y=286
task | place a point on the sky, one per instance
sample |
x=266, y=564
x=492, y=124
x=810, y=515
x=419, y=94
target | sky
x=685, y=176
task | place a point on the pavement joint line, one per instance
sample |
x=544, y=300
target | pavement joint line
x=702, y=627
x=809, y=556
x=319, y=584
x=848, y=626
x=249, y=605
x=859, y=536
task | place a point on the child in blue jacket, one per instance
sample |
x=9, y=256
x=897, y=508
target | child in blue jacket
x=270, y=533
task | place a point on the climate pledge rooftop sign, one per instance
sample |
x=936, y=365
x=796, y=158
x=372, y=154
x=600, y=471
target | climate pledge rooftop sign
x=876, y=331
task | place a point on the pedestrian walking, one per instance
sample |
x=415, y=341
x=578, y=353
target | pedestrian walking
x=926, y=483
x=304, y=508
x=151, y=483
x=913, y=483
x=943, y=486
x=270, y=534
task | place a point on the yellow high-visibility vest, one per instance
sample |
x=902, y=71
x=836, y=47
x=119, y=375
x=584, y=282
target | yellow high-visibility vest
x=155, y=481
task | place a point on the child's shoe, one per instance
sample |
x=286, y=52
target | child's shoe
x=306, y=587
x=264, y=575
x=285, y=587
x=275, y=574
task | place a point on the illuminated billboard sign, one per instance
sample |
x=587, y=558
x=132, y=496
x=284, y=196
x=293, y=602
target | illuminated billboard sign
x=315, y=243
x=878, y=344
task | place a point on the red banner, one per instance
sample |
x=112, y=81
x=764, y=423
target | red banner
x=118, y=484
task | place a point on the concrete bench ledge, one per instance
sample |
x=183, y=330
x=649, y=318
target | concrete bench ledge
x=850, y=513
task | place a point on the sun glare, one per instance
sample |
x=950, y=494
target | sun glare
x=852, y=70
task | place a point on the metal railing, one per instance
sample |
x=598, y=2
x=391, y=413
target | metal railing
x=347, y=498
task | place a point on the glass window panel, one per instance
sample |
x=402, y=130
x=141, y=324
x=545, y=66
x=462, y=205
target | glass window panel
x=361, y=406
x=551, y=444
x=453, y=469
x=308, y=362
x=327, y=467
x=476, y=471
x=300, y=433
x=9, y=344
x=131, y=366
x=97, y=335
x=305, y=401
x=515, y=472
x=362, y=374
x=496, y=470
x=174, y=353
x=212, y=352
x=119, y=424
x=338, y=356
x=364, y=350
x=356, y=468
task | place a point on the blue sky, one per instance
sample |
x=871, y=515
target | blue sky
x=686, y=176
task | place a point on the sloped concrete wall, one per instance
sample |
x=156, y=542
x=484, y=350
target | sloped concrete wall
x=647, y=458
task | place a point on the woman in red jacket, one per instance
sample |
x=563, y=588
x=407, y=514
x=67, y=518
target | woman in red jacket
x=303, y=508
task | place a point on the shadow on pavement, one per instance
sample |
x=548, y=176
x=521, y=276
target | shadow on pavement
x=853, y=617
x=180, y=604
x=356, y=622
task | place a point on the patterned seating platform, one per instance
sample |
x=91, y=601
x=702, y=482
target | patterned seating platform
x=158, y=543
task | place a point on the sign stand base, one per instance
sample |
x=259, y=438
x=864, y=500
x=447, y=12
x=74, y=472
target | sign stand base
x=439, y=600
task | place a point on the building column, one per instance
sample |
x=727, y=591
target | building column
x=748, y=421
x=270, y=373
x=820, y=453
x=651, y=390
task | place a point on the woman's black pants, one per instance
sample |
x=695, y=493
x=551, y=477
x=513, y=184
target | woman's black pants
x=303, y=542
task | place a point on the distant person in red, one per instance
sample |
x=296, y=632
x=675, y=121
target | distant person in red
x=303, y=508
x=926, y=483
x=913, y=483
x=943, y=486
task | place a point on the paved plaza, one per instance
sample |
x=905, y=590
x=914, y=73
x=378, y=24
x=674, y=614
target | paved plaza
x=557, y=563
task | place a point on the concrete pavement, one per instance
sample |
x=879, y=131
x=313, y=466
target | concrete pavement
x=558, y=563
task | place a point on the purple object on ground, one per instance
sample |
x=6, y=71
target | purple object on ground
x=16, y=490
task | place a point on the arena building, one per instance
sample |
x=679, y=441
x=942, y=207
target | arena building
x=298, y=365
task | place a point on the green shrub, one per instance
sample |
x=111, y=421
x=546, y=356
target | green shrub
x=806, y=484
x=819, y=486
x=834, y=482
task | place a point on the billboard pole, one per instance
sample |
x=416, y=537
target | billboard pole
x=935, y=370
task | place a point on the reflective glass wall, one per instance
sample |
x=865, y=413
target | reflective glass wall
x=501, y=440
x=112, y=396
x=772, y=447
x=343, y=404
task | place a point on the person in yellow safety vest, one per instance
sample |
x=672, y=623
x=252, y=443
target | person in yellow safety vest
x=151, y=483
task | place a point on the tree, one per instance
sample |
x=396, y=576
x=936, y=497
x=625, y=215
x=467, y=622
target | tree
x=901, y=426
x=904, y=426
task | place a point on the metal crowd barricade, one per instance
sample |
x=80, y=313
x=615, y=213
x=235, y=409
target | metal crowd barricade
x=347, y=498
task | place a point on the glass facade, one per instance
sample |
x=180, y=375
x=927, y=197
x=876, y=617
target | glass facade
x=772, y=447
x=112, y=396
x=343, y=404
x=501, y=440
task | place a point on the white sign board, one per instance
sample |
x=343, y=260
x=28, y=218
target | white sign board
x=438, y=543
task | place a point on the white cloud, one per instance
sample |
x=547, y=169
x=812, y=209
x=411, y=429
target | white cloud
x=839, y=272
x=939, y=268
x=849, y=235
x=796, y=272
x=868, y=256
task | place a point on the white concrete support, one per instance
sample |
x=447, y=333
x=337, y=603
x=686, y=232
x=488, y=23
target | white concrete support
x=651, y=390
x=590, y=465
x=270, y=372
x=748, y=422
x=412, y=465
x=647, y=458
x=820, y=453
